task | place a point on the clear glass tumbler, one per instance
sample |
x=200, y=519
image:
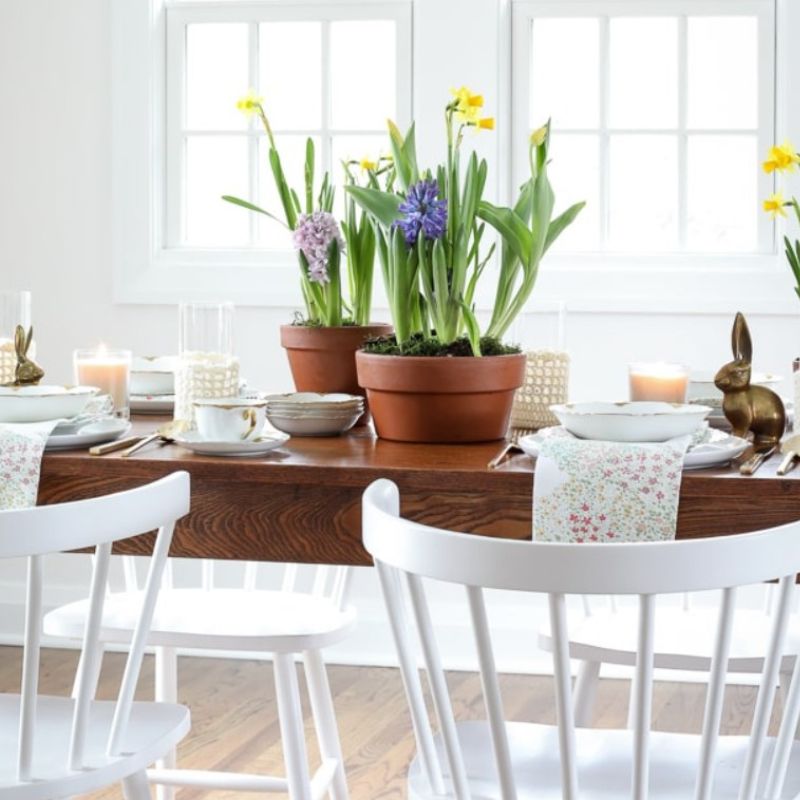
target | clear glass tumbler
x=207, y=367
x=15, y=309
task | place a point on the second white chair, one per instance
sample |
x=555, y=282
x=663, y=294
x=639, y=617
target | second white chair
x=286, y=623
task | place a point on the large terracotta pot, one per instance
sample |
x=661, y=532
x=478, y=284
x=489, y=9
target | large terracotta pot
x=323, y=359
x=440, y=399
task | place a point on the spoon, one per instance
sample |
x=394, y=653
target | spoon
x=791, y=450
x=166, y=432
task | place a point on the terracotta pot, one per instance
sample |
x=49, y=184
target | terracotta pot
x=440, y=399
x=323, y=359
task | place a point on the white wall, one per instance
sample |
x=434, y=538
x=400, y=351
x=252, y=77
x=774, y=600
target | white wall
x=55, y=186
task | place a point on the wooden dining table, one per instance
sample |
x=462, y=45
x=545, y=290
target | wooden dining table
x=301, y=503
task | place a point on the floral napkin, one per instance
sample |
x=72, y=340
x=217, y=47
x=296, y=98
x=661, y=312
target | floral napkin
x=591, y=491
x=21, y=449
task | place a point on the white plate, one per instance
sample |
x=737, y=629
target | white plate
x=252, y=447
x=630, y=422
x=41, y=403
x=313, y=399
x=104, y=430
x=718, y=449
x=152, y=404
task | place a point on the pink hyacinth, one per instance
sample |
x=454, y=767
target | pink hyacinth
x=313, y=236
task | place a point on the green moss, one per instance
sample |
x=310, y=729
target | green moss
x=300, y=321
x=418, y=346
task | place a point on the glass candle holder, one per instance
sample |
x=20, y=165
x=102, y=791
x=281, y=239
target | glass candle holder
x=15, y=309
x=206, y=367
x=659, y=381
x=110, y=371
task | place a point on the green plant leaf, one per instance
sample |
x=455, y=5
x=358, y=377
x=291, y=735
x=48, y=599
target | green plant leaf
x=513, y=230
x=558, y=225
x=383, y=206
x=237, y=201
x=473, y=329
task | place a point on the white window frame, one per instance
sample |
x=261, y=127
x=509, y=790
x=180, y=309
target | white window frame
x=148, y=43
x=673, y=282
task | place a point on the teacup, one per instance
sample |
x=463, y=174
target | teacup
x=229, y=419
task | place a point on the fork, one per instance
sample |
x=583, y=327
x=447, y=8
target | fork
x=512, y=443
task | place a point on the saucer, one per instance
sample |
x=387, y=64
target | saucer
x=98, y=432
x=192, y=440
x=716, y=448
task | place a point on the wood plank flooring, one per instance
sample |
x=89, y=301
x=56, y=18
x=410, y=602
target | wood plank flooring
x=234, y=722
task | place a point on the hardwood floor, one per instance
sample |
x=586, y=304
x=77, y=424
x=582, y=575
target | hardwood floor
x=234, y=723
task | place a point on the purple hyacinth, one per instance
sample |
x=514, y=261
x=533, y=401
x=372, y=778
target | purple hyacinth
x=422, y=211
x=313, y=236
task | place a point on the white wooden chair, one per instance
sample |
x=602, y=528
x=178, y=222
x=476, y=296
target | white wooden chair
x=53, y=747
x=496, y=760
x=604, y=632
x=285, y=623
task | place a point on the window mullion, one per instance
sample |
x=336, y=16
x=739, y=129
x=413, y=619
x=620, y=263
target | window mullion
x=683, y=138
x=325, y=139
x=253, y=138
x=603, y=138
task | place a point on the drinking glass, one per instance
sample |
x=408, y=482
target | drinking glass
x=207, y=367
x=15, y=309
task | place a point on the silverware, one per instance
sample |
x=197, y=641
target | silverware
x=512, y=443
x=791, y=450
x=165, y=432
x=750, y=466
x=112, y=447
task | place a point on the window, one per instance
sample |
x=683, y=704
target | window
x=308, y=62
x=660, y=114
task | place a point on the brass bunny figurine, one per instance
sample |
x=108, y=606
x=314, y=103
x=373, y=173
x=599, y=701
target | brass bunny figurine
x=749, y=409
x=28, y=373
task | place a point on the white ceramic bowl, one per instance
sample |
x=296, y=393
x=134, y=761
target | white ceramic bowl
x=702, y=389
x=313, y=426
x=308, y=399
x=630, y=422
x=153, y=375
x=40, y=403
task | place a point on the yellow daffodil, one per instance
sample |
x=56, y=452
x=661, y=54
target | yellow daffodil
x=368, y=164
x=538, y=136
x=486, y=123
x=250, y=103
x=774, y=205
x=781, y=157
x=467, y=105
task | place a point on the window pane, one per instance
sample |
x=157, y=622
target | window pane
x=643, y=212
x=290, y=74
x=292, y=150
x=216, y=165
x=216, y=69
x=564, y=73
x=575, y=176
x=722, y=193
x=363, y=74
x=643, y=72
x=723, y=72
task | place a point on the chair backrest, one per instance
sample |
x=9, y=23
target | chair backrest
x=97, y=523
x=324, y=580
x=404, y=552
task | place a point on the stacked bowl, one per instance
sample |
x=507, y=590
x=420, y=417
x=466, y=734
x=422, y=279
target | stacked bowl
x=312, y=414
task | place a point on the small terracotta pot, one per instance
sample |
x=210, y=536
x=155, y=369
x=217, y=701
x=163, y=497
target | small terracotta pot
x=440, y=399
x=323, y=359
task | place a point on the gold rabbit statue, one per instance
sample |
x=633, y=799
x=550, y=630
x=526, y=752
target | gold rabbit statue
x=749, y=409
x=28, y=372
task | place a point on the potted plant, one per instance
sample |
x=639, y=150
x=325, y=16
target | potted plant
x=439, y=379
x=321, y=344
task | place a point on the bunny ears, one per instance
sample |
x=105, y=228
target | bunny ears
x=22, y=342
x=741, y=342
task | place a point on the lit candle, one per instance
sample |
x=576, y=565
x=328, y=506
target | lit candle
x=659, y=381
x=110, y=371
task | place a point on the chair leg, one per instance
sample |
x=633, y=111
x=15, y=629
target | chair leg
x=585, y=692
x=136, y=787
x=290, y=717
x=166, y=691
x=319, y=692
